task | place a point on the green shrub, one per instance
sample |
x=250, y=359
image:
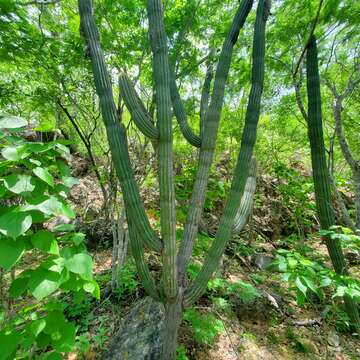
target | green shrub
x=34, y=184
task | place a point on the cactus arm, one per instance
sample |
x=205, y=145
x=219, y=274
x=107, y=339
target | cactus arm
x=247, y=199
x=180, y=114
x=244, y=158
x=115, y=131
x=137, y=110
x=141, y=266
x=320, y=172
x=209, y=139
x=205, y=94
x=161, y=72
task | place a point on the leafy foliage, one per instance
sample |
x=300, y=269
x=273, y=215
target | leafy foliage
x=205, y=327
x=33, y=188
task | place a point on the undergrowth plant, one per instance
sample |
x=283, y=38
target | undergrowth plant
x=38, y=261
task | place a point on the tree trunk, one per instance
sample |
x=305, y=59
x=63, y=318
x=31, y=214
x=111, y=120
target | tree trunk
x=173, y=313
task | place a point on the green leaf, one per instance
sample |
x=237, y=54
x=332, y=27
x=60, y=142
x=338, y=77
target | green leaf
x=70, y=181
x=80, y=264
x=19, y=183
x=45, y=241
x=10, y=252
x=9, y=342
x=301, y=286
x=11, y=153
x=14, y=224
x=63, y=168
x=52, y=206
x=43, y=283
x=53, y=356
x=12, y=122
x=37, y=326
x=66, y=342
x=18, y=286
x=292, y=262
x=64, y=227
x=326, y=281
x=44, y=175
x=93, y=288
x=78, y=238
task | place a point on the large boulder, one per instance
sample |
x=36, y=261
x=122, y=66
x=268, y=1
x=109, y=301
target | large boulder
x=139, y=337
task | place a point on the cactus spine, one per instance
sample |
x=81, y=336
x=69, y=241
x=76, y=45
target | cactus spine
x=320, y=172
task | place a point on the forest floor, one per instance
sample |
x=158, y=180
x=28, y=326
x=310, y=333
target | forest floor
x=269, y=327
x=255, y=331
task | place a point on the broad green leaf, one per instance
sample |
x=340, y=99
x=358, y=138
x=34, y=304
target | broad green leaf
x=66, y=341
x=55, y=320
x=292, y=262
x=326, y=281
x=11, y=153
x=93, y=288
x=12, y=122
x=10, y=252
x=9, y=342
x=44, y=175
x=18, y=286
x=14, y=224
x=301, y=286
x=43, y=283
x=70, y=181
x=44, y=240
x=19, y=183
x=78, y=238
x=64, y=169
x=80, y=264
x=37, y=326
x=53, y=356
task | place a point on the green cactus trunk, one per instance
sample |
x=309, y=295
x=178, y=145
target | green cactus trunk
x=320, y=171
x=208, y=140
x=174, y=266
x=244, y=159
x=247, y=200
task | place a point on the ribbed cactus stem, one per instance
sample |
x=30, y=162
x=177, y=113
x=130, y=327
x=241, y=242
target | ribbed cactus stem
x=320, y=171
x=247, y=200
x=180, y=114
x=244, y=159
x=137, y=110
x=205, y=94
x=115, y=131
x=141, y=266
x=161, y=73
x=208, y=141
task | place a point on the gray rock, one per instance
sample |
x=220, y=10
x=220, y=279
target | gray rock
x=261, y=261
x=139, y=337
x=333, y=339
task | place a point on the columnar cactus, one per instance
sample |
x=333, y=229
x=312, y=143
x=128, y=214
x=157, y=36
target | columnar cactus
x=320, y=171
x=247, y=199
x=174, y=292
